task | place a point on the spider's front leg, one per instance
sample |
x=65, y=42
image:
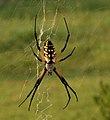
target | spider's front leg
x=35, y=34
x=68, y=35
x=66, y=86
x=36, y=38
x=62, y=50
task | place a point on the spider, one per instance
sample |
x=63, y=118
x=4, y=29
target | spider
x=49, y=59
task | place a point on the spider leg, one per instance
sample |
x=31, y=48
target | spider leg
x=32, y=97
x=68, y=96
x=66, y=85
x=34, y=88
x=67, y=36
x=67, y=55
x=35, y=54
x=35, y=34
x=27, y=96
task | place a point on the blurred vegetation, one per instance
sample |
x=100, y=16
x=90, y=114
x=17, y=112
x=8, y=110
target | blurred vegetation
x=82, y=110
x=28, y=8
x=89, y=22
x=103, y=100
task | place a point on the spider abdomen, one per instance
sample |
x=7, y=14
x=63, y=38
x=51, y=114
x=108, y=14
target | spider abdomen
x=49, y=52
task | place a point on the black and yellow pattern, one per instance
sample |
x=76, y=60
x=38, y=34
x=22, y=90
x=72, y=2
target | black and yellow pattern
x=49, y=51
x=49, y=59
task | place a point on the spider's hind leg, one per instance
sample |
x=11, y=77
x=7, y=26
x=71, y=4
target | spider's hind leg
x=34, y=88
x=66, y=86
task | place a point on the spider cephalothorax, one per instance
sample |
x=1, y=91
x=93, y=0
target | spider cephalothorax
x=49, y=59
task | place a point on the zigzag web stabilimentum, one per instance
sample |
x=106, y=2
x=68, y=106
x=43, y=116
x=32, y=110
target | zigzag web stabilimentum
x=27, y=50
x=40, y=96
x=44, y=96
x=40, y=114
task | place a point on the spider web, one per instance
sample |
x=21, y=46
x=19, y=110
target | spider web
x=41, y=114
x=43, y=97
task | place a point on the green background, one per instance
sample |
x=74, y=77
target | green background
x=89, y=25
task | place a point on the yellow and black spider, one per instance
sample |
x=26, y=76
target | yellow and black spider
x=49, y=59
